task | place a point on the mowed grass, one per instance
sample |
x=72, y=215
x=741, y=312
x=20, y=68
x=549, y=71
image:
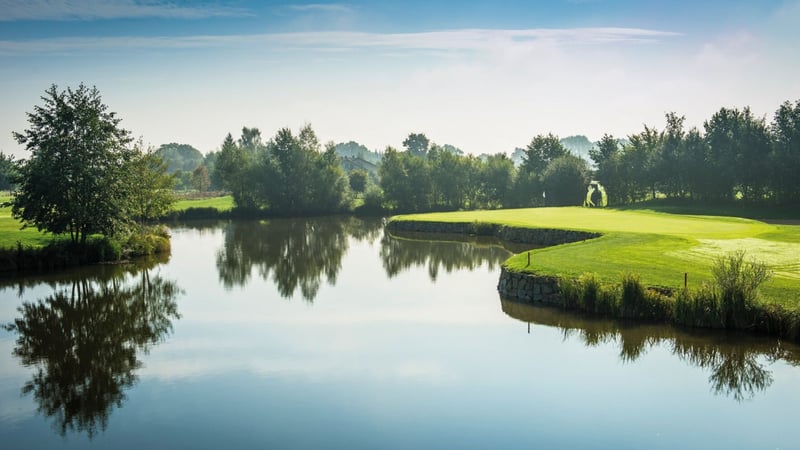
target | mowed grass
x=660, y=247
x=224, y=203
x=11, y=230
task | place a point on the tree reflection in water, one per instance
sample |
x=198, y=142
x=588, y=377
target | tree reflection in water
x=297, y=254
x=294, y=253
x=736, y=361
x=436, y=251
x=83, y=341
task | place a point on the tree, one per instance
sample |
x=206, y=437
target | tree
x=607, y=159
x=496, y=177
x=150, y=188
x=785, y=157
x=541, y=151
x=233, y=169
x=7, y=171
x=417, y=144
x=200, y=179
x=180, y=157
x=358, y=180
x=74, y=181
x=565, y=180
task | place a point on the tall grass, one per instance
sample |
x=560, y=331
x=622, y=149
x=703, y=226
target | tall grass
x=731, y=302
x=738, y=281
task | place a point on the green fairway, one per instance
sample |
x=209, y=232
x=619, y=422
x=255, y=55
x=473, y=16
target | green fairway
x=221, y=204
x=660, y=247
x=10, y=232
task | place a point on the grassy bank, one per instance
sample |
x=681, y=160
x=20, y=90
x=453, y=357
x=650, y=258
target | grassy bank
x=221, y=204
x=657, y=246
x=31, y=250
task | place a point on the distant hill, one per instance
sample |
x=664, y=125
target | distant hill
x=579, y=145
x=180, y=157
x=355, y=150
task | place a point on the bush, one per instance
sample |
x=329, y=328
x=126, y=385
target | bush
x=148, y=241
x=591, y=291
x=738, y=282
x=103, y=249
x=633, y=300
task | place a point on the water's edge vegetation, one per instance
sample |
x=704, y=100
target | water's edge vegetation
x=730, y=302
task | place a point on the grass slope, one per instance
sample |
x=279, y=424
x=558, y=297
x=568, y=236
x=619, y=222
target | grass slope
x=11, y=230
x=224, y=203
x=660, y=247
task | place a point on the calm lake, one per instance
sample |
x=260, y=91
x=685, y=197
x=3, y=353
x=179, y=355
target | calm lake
x=329, y=333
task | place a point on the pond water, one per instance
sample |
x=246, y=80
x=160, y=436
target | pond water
x=328, y=333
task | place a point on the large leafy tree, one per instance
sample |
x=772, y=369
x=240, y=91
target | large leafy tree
x=496, y=179
x=234, y=167
x=150, y=187
x=417, y=144
x=565, y=180
x=607, y=159
x=74, y=180
x=541, y=151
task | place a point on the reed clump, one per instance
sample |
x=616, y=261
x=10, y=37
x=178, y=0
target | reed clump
x=732, y=301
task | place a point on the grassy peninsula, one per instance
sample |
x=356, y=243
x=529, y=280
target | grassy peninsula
x=658, y=247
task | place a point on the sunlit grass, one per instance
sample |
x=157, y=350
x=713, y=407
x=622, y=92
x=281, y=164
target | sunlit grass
x=11, y=232
x=224, y=203
x=660, y=247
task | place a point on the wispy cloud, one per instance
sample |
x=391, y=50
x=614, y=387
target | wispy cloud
x=322, y=7
x=17, y=10
x=464, y=40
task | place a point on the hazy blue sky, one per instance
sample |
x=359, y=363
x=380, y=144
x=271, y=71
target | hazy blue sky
x=484, y=76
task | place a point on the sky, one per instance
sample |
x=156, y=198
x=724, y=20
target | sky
x=484, y=76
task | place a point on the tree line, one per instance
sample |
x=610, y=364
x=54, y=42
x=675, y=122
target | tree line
x=86, y=174
x=735, y=156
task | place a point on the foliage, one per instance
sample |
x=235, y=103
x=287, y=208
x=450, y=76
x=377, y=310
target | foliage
x=78, y=151
x=358, y=181
x=738, y=281
x=182, y=157
x=234, y=168
x=8, y=170
x=200, y=179
x=417, y=144
x=564, y=181
x=541, y=151
x=149, y=187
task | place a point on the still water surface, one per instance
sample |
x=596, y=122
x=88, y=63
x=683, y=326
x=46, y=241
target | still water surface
x=327, y=333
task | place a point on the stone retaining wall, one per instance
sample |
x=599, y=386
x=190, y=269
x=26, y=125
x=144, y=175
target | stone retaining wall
x=529, y=287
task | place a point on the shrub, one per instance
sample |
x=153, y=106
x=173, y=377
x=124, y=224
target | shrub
x=570, y=293
x=737, y=281
x=632, y=303
x=591, y=291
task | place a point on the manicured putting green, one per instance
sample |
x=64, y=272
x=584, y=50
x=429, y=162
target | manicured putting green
x=660, y=247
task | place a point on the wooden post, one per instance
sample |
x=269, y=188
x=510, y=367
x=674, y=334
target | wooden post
x=529, y=258
x=685, y=279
